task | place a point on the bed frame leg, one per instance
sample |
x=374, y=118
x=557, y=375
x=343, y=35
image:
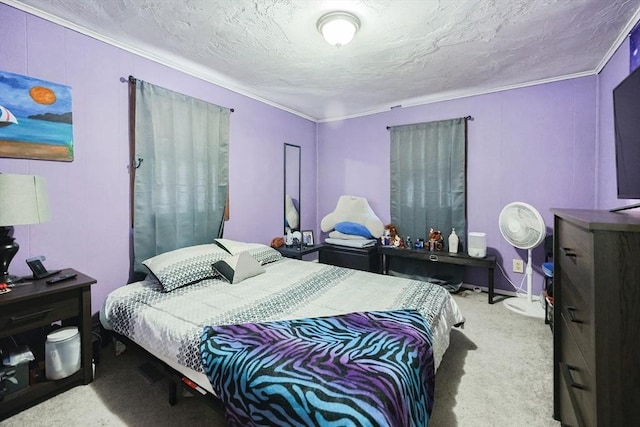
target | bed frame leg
x=173, y=392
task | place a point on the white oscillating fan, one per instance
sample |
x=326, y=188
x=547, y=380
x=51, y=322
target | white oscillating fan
x=523, y=227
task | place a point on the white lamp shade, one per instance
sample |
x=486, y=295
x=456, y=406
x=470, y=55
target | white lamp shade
x=23, y=200
x=338, y=28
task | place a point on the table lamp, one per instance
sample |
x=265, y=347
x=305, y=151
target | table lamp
x=23, y=200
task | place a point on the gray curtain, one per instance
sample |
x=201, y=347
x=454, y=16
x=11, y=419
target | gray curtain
x=181, y=183
x=428, y=178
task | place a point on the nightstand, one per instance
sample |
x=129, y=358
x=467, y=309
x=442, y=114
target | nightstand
x=365, y=259
x=29, y=307
x=298, y=253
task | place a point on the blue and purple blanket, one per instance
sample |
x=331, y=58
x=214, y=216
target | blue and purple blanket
x=361, y=369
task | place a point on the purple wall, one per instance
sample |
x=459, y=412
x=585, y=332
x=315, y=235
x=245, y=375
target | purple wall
x=539, y=145
x=89, y=197
x=534, y=145
x=550, y=145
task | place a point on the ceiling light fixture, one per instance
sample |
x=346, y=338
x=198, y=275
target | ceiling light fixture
x=338, y=28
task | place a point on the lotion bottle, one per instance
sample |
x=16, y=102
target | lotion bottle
x=453, y=242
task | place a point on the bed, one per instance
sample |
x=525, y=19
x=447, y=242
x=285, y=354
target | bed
x=187, y=309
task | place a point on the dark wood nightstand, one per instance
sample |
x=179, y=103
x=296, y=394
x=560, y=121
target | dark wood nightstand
x=32, y=306
x=298, y=253
x=365, y=259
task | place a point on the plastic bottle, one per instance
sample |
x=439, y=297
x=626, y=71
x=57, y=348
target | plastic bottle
x=453, y=242
x=407, y=243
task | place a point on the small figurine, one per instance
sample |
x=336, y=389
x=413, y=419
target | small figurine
x=436, y=242
x=394, y=237
x=386, y=237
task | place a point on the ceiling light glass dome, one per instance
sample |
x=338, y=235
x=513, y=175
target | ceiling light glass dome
x=338, y=28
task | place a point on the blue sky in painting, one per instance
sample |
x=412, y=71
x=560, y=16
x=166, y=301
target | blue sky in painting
x=14, y=95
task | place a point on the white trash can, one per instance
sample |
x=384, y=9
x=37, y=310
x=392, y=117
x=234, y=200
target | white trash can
x=62, y=353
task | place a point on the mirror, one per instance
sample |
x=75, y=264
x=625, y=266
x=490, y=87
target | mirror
x=291, y=188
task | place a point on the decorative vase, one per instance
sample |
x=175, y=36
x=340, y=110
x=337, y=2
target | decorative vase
x=453, y=242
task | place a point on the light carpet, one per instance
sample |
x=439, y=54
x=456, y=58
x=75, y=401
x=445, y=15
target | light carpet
x=496, y=372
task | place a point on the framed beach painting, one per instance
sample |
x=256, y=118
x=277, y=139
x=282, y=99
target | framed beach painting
x=35, y=119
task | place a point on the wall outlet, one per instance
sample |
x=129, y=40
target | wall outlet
x=518, y=266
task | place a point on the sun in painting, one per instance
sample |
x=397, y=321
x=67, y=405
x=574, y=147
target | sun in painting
x=42, y=95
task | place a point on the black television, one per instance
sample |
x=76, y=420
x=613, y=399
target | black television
x=626, y=118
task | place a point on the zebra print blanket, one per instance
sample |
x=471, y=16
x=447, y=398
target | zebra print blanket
x=359, y=369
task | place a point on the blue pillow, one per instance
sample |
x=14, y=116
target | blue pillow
x=353, y=228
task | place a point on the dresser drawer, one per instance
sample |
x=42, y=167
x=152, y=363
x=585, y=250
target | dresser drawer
x=579, y=318
x=576, y=257
x=24, y=315
x=577, y=379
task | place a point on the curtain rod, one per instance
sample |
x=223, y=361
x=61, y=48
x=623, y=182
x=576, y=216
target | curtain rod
x=470, y=118
x=133, y=80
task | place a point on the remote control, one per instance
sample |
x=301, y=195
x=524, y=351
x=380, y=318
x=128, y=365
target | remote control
x=61, y=278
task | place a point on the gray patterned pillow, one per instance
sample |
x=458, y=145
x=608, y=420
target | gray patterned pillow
x=185, y=266
x=265, y=254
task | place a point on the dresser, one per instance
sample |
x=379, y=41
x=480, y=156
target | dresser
x=596, y=341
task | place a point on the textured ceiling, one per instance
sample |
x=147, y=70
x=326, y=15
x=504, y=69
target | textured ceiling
x=407, y=52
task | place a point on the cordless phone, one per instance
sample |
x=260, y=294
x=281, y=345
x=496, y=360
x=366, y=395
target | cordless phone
x=38, y=269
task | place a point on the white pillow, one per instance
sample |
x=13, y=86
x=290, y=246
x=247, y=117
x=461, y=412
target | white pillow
x=236, y=268
x=262, y=253
x=234, y=247
x=338, y=235
x=291, y=213
x=353, y=209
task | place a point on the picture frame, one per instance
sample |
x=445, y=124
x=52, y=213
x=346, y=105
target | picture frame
x=307, y=238
x=35, y=119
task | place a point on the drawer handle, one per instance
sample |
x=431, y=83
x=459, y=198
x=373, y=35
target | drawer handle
x=569, y=253
x=38, y=314
x=571, y=311
x=569, y=378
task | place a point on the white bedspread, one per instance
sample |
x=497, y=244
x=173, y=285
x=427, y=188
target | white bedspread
x=169, y=324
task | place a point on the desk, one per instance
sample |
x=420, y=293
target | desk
x=297, y=252
x=488, y=262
